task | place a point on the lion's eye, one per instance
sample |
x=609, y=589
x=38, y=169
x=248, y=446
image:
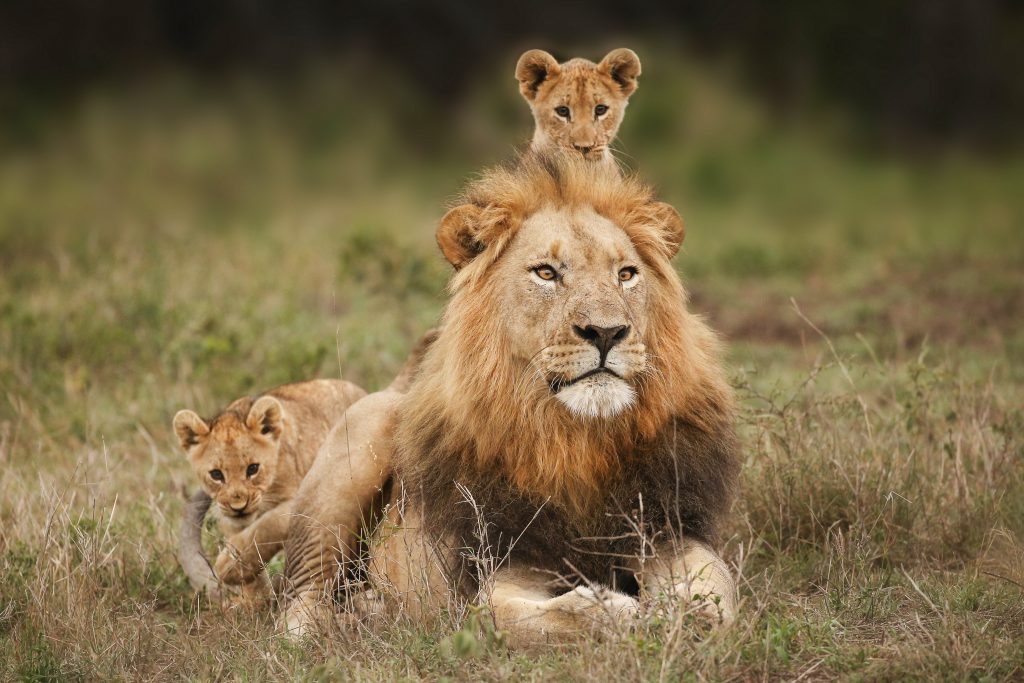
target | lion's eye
x=562, y=111
x=627, y=274
x=216, y=475
x=252, y=469
x=601, y=109
x=546, y=273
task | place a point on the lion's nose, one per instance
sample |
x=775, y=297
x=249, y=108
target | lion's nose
x=604, y=338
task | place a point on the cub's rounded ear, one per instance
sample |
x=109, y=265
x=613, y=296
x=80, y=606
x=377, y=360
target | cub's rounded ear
x=673, y=228
x=266, y=417
x=534, y=67
x=190, y=429
x=624, y=68
x=457, y=235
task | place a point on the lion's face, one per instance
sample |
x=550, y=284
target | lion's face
x=578, y=105
x=573, y=273
x=566, y=342
x=576, y=299
x=234, y=458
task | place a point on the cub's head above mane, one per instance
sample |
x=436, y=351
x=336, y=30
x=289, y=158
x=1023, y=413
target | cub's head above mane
x=578, y=105
x=566, y=342
x=235, y=455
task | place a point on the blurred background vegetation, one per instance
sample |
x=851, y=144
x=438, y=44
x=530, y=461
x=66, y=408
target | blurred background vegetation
x=202, y=200
x=920, y=70
x=263, y=177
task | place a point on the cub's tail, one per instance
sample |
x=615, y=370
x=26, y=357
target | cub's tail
x=190, y=550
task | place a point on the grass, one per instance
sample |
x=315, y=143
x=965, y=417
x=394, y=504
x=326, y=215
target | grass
x=180, y=244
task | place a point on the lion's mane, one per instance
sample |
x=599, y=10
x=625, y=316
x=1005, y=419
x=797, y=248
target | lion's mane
x=497, y=465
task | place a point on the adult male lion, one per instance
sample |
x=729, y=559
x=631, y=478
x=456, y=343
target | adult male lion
x=568, y=436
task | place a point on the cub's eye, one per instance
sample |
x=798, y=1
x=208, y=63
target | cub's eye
x=216, y=475
x=562, y=111
x=601, y=109
x=546, y=273
x=252, y=469
x=627, y=274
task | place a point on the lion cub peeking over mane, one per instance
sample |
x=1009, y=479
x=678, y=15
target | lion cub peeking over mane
x=250, y=460
x=578, y=104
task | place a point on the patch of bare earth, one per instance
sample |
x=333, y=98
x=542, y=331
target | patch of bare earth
x=963, y=306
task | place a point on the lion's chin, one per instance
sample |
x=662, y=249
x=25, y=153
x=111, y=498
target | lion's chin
x=602, y=396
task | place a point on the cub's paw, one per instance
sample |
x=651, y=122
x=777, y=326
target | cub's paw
x=230, y=569
x=254, y=594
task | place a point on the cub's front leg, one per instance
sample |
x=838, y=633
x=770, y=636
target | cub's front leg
x=245, y=554
x=696, y=574
x=525, y=609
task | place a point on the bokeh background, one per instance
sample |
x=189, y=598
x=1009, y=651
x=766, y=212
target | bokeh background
x=203, y=200
x=865, y=162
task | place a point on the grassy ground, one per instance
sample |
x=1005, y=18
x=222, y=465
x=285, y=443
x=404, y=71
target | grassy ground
x=180, y=245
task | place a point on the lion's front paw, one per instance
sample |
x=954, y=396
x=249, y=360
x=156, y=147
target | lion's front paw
x=613, y=602
x=305, y=615
x=619, y=606
x=367, y=603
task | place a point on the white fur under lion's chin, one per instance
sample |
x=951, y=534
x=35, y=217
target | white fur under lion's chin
x=599, y=396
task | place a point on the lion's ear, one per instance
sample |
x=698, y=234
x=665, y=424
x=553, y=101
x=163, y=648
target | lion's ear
x=457, y=234
x=534, y=67
x=673, y=228
x=266, y=417
x=190, y=429
x=624, y=68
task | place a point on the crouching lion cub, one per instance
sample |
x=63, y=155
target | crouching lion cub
x=250, y=460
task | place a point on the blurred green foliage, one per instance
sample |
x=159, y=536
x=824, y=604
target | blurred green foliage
x=243, y=234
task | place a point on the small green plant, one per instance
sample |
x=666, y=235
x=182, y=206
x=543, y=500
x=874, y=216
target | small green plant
x=477, y=636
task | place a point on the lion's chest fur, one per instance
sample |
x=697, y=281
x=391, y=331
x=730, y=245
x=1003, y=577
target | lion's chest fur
x=676, y=485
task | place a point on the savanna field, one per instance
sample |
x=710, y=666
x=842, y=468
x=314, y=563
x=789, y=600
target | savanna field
x=177, y=243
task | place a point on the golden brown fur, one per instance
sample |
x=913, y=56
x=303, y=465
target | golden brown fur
x=249, y=460
x=577, y=105
x=508, y=485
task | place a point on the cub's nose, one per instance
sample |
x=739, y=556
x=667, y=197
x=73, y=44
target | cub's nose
x=604, y=338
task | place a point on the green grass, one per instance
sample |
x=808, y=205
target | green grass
x=182, y=244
